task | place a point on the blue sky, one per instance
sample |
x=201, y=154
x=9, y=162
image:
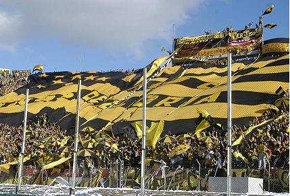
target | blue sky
x=122, y=34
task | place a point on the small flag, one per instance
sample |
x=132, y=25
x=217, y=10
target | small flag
x=38, y=68
x=239, y=155
x=270, y=26
x=280, y=91
x=204, y=121
x=268, y=10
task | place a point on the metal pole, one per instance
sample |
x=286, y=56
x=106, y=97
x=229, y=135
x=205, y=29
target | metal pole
x=199, y=170
x=110, y=175
x=121, y=173
x=261, y=19
x=229, y=127
x=164, y=179
x=163, y=168
x=262, y=37
x=72, y=189
x=21, y=155
x=269, y=175
x=173, y=44
x=143, y=134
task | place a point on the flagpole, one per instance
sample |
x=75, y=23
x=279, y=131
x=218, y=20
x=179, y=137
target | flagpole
x=143, y=156
x=173, y=36
x=77, y=124
x=262, y=32
x=21, y=155
x=229, y=126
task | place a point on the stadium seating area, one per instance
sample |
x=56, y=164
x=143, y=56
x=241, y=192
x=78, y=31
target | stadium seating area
x=46, y=139
x=11, y=82
x=186, y=125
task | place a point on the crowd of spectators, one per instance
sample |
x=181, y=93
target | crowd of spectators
x=261, y=147
x=41, y=139
x=266, y=144
x=9, y=82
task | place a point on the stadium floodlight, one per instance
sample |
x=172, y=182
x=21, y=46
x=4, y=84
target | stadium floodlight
x=21, y=155
x=143, y=156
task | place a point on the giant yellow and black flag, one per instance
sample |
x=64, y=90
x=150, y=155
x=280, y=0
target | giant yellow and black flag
x=112, y=101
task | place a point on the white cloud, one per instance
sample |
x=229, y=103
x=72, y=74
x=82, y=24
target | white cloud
x=112, y=24
x=9, y=27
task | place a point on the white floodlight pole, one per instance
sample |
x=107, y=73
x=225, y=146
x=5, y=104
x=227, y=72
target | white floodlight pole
x=21, y=156
x=229, y=126
x=72, y=190
x=143, y=156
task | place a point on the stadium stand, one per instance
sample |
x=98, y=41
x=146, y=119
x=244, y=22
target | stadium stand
x=186, y=118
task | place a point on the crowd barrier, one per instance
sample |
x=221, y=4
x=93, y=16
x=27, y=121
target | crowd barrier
x=180, y=179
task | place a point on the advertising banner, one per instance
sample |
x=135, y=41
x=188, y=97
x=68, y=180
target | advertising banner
x=239, y=42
